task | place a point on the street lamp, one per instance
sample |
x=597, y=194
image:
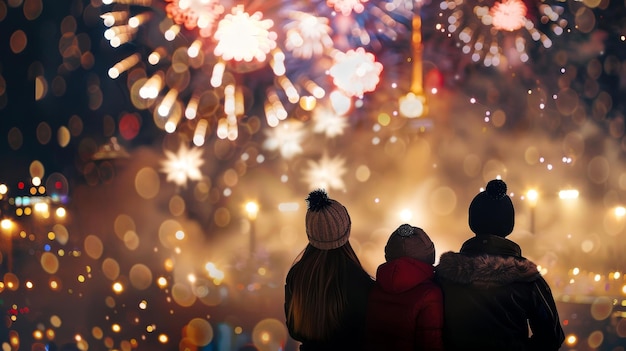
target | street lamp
x=533, y=196
x=568, y=194
x=252, y=209
x=619, y=211
x=6, y=224
x=6, y=227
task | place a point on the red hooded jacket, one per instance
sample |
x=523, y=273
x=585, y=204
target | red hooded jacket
x=405, y=308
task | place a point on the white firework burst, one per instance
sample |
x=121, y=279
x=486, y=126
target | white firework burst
x=285, y=138
x=183, y=166
x=307, y=35
x=328, y=122
x=326, y=174
x=244, y=37
x=356, y=72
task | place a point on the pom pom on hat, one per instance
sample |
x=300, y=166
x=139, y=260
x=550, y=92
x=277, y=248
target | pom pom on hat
x=327, y=221
x=409, y=241
x=491, y=212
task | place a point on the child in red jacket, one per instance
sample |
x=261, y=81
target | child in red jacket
x=405, y=307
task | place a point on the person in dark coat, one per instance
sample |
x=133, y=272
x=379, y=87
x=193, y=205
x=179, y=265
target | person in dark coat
x=405, y=310
x=494, y=298
x=326, y=289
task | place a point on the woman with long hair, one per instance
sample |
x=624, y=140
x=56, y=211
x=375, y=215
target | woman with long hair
x=326, y=289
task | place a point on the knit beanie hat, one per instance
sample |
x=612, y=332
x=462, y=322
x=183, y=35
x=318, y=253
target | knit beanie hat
x=491, y=211
x=409, y=241
x=327, y=221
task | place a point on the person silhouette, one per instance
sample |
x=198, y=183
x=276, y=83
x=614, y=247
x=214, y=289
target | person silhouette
x=326, y=289
x=405, y=309
x=492, y=294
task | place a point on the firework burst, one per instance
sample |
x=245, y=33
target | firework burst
x=241, y=36
x=211, y=64
x=307, y=35
x=328, y=123
x=286, y=138
x=201, y=14
x=356, y=72
x=346, y=7
x=499, y=32
x=326, y=173
x=183, y=166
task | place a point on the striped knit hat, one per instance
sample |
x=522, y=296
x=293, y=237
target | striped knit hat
x=327, y=221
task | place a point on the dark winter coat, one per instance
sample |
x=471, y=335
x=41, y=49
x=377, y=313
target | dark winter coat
x=405, y=310
x=492, y=295
x=351, y=335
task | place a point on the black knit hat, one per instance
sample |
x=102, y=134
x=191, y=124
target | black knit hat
x=327, y=221
x=491, y=211
x=409, y=241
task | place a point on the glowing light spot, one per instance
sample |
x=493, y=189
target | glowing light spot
x=49, y=262
x=412, y=105
x=325, y=174
x=200, y=14
x=568, y=194
x=244, y=37
x=140, y=276
x=405, y=215
x=162, y=282
x=6, y=224
x=307, y=35
x=509, y=15
x=183, y=166
x=355, y=72
x=180, y=235
x=571, y=340
x=60, y=212
x=199, y=331
x=601, y=308
x=587, y=246
x=118, y=287
x=345, y=7
x=267, y=332
x=265, y=337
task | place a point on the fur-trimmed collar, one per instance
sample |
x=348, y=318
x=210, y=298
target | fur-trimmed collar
x=484, y=270
x=491, y=245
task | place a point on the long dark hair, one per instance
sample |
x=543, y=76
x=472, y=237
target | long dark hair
x=319, y=290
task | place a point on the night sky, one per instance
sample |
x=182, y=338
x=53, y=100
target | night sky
x=555, y=121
